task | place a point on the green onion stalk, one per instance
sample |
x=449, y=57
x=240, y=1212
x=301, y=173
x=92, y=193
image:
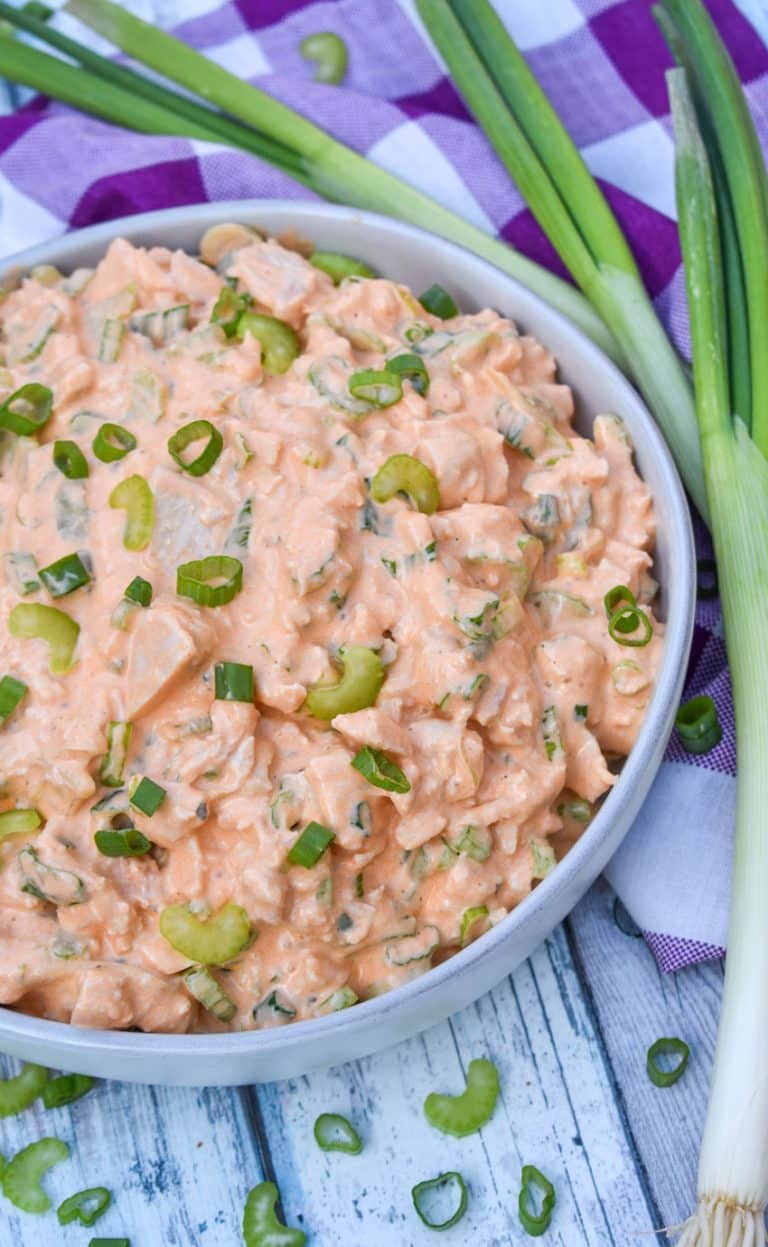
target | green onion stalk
x=733, y=1168
x=252, y=120
x=548, y=169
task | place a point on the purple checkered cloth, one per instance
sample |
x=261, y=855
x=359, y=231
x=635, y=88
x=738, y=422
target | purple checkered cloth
x=602, y=63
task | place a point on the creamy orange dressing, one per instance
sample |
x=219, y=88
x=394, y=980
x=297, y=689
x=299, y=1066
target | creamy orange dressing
x=488, y=616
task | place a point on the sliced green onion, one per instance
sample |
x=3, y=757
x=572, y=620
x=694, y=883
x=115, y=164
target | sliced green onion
x=404, y=474
x=139, y=591
x=344, y=998
x=706, y=586
x=333, y=1133
x=463, y=1114
x=12, y=692
x=50, y=883
x=19, y=1092
x=161, y=325
x=70, y=460
x=65, y=575
x=425, y=1194
x=413, y=369
x=532, y=1179
x=358, y=688
x=19, y=822
x=438, y=301
x=111, y=340
x=213, y=581
x=698, y=725
x=329, y=53
x=618, y=596
x=624, y=624
x=228, y=309
x=279, y=343
x=261, y=1227
x=134, y=496
x=145, y=795
x=85, y=1207
x=233, y=681
x=187, y=436
x=310, y=846
x=113, y=442
x=49, y=624
x=662, y=1048
x=379, y=388
x=339, y=266
x=468, y=919
x=208, y=941
x=27, y=409
x=66, y=1089
x=208, y=991
x=113, y=764
x=109, y=1242
x=122, y=842
x=379, y=770
x=21, y=1178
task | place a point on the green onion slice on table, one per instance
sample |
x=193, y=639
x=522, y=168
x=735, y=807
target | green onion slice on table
x=134, y=496
x=362, y=677
x=411, y=368
x=698, y=725
x=27, y=410
x=65, y=575
x=19, y=822
x=122, y=842
x=85, y=1207
x=404, y=474
x=233, y=681
x=438, y=301
x=338, y=266
x=66, y=1089
x=47, y=623
x=667, y=1077
x=145, y=795
x=70, y=460
x=380, y=388
x=21, y=1179
x=329, y=53
x=190, y=435
x=211, y=940
x=533, y=1180
x=19, y=1092
x=379, y=770
x=429, y=1200
x=279, y=344
x=109, y=1242
x=261, y=1227
x=333, y=1133
x=463, y=1114
x=12, y=693
x=113, y=442
x=310, y=846
x=213, y=581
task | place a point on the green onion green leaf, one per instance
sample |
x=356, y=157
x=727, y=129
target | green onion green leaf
x=698, y=725
x=213, y=581
x=428, y=1201
x=145, y=795
x=412, y=368
x=113, y=442
x=122, y=842
x=310, y=846
x=66, y=1089
x=379, y=770
x=187, y=436
x=65, y=575
x=70, y=460
x=535, y=1223
x=85, y=1207
x=12, y=692
x=233, y=681
x=439, y=303
x=27, y=409
x=139, y=591
x=338, y=266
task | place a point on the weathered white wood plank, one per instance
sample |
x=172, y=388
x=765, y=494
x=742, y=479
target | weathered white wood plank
x=635, y=1004
x=557, y=1112
x=179, y=1164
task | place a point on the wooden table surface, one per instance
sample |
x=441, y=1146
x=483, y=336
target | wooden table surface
x=568, y=1031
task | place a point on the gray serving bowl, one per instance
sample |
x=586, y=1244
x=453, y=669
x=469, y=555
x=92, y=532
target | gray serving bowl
x=417, y=259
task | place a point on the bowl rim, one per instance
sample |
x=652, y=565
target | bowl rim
x=679, y=626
